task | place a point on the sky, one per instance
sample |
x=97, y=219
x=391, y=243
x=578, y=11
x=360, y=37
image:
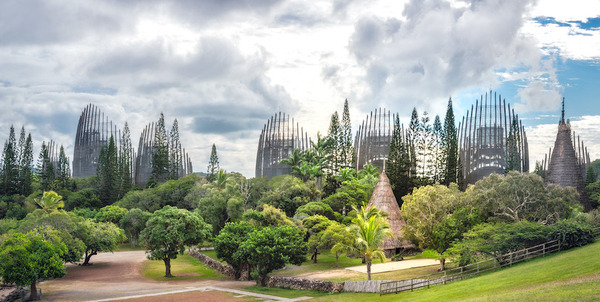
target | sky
x=223, y=68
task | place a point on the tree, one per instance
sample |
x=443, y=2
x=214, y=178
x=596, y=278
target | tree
x=160, y=152
x=213, y=164
x=437, y=154
x=314, y=225
x=133, y=222
x=45, y=169
x=227, y=245
x=100, y=237
x=450, y=143
x=288, y=193
x=424, y=209
x=334, y=134
x=63, y=172
x=125, y=165
x=345, y=142
x=369, y=229
x=169, y=230
x=25, y=259
x=335, y=234
x=110, y=213
x=399, y=163
x=175, y=157
x=513, y=147
x=10, y=165
x=271, y=248
x=50, y=201
x=108, y=173
x=25, y=163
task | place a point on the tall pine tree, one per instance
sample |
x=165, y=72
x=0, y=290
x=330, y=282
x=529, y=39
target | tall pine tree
x=513, y=156
x=438, y=151
x=450, y=143
x=398, y=164
x=107, y=173
x=25, y=166
x=45, y=169
x=125, y=178
x=213, y=165
x=10, y=165
x=160, y=152
x=334, y=149
x=175, y=161
x=411, y=138
x=345, y=142
x=63, y=173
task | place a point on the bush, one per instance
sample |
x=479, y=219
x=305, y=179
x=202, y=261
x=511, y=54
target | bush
x=571, y=234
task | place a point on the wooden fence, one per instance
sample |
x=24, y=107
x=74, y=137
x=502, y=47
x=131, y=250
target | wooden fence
x=462, y=272
x=459, y=273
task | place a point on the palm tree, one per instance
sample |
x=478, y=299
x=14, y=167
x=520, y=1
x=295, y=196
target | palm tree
x=368, y=170
x=50, y=201
x=294, y=161
x=370, y=229
x=221, y=180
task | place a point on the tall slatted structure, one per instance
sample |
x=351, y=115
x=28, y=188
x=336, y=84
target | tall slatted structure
x=143, y=160
x=567, y=163
x=93, y=132
x=483, y=138
x=278, y=139
x=373, y=138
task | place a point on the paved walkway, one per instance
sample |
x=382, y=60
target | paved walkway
x=394, y=265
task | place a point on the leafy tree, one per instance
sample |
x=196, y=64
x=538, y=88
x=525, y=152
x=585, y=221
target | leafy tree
x=521, y=196
x=110, y=213
x=352, y=193
x=160, y=152
x=314, y=226
x=133, y=222
x=169, y=230
x=86, y=198
x=269, y=216
x=271, y=248
x=25, y=259
x=100, y=237
x=369, y=229
x=50, y=201
x=288, y=193
x=450, y=145
x=335, y=234
x=437, y=152
x=425, y=209
x=213, y=164
x=315, y=208
x=412, y=136
x=228, y=242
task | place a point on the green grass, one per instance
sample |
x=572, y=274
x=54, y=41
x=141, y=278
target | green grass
x=426, y=254
x=286, y=293
x=565, y=276
x=185, y=267
x=325, y=261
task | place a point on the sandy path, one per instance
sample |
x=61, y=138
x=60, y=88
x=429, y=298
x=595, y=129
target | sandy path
x=115, y=275
x=394, y=265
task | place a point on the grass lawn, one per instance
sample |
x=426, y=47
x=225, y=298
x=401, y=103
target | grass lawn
x=572, y=275
x=185, y=267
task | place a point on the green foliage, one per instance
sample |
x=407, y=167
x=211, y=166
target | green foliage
x=354, y=192
x=315, y=208
x=45, y=169
x=85, y=212
x=50, y=201
x=85, y=198
x=125, y=164
x=450, y=145
x=133, y=222
x=593, y=191
x=513, y=147
x=271, y=248
x=108, y=173
x=169, y=230
x=314, y=226
x=571, y=234
x=175, y=156
x=288, y=193
x=172, y=193
x=333, y=235
x=9, y=174
x=63, y=172
x=269, y=216
x=228, y=242
x=160, y=152
x=8, y=224
x=110, y=214
x=24, y=259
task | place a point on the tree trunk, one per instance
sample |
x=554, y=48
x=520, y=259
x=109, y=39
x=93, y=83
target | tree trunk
x=314, y=256
x=86, y=262
x=33, y=295
x=369, y=270
x=442, y=263
x=337, y=259
x=168, y=267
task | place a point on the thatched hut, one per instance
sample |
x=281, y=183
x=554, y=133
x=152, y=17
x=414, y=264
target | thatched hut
x=383, y=199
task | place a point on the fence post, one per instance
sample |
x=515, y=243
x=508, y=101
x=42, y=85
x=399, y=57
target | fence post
x=445, y=277
x=544, y=250
x=478, y=267
x=411, y=285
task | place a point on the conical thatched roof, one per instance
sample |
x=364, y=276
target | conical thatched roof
x=383, y=199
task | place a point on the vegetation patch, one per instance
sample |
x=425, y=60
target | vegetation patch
x=185, y=267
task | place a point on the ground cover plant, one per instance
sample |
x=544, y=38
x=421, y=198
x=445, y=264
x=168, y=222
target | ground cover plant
x=185, y=267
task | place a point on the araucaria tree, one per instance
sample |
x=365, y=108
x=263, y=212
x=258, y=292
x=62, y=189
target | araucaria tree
x=169, y=230
x=63, y=172
x=45, y=169
x=399, y=165
x=213, y=164
x=513, y=152
x=175, y=157
x=160, y=152
x=450, y=148
x=334, y=148
x=25, y=163
x=345, y=143
x=108, y=173
x=10, y=165
x=125, y=166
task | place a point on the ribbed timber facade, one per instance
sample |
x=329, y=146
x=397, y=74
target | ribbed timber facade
x=93, y=132
x=373, y=139
x=483, y=137
x=278, y=139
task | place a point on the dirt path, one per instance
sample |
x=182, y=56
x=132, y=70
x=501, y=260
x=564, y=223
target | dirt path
x=116, y=275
